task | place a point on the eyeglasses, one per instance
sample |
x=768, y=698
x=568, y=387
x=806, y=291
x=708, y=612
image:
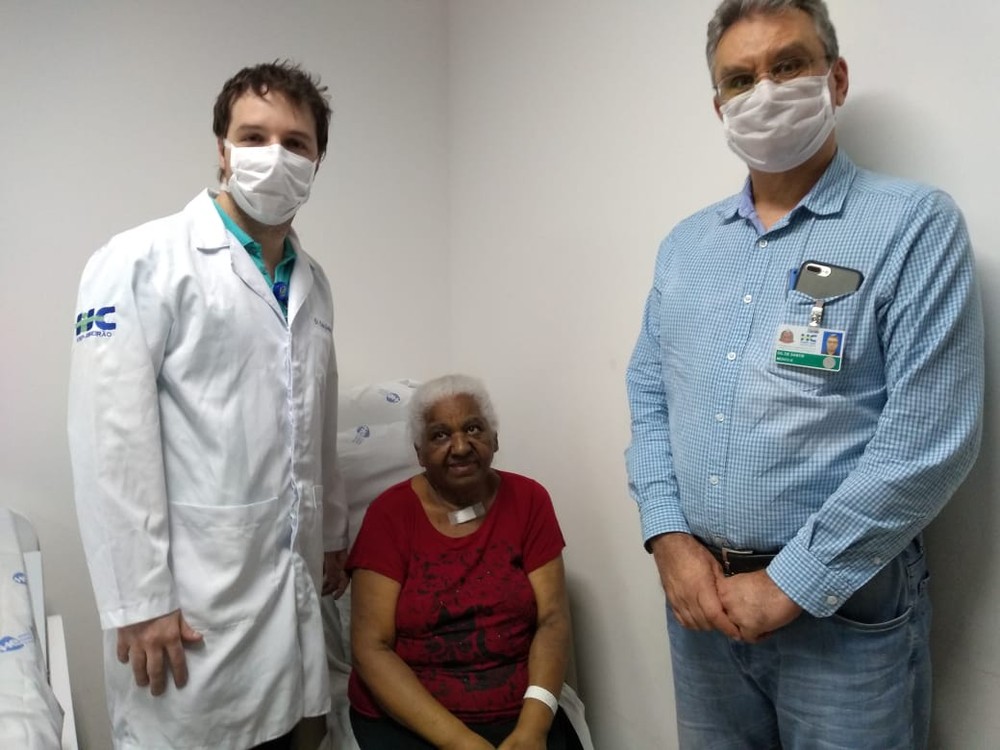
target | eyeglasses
x=781, y=72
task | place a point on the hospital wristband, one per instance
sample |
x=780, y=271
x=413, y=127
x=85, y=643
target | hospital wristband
x=541, y=694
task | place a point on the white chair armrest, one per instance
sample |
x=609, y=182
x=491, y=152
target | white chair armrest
x=59, y=680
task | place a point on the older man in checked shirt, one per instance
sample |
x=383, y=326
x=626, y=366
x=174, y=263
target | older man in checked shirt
x=783, y=490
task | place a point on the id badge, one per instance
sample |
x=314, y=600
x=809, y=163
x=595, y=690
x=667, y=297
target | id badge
x=809, y=346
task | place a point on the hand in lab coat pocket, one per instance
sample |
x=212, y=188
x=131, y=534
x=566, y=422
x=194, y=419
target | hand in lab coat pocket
x=144, y=644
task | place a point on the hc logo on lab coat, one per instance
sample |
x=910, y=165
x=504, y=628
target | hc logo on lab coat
x=85, y=322
x=8, y=643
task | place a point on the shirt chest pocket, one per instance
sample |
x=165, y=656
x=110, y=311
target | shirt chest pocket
x=838, y=314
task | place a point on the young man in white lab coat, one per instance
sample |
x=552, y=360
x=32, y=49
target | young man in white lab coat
x=202, y=422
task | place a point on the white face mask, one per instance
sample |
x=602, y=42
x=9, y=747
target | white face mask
x=775, y=127
x=270, y=183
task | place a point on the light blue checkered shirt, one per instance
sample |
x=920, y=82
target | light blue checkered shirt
x=838, y=470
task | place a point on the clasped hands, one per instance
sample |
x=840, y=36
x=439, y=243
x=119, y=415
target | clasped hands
x=516, y=741
x=746, y=607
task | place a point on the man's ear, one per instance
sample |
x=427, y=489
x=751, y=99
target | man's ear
x=496, y=441
x=840, y=82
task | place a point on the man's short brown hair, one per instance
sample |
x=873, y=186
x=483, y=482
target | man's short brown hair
x=284, y=77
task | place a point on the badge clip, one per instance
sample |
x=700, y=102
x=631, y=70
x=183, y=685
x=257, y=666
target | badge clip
x=816, y=314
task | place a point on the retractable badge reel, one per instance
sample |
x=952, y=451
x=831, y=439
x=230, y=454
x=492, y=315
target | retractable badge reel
x=816, y=314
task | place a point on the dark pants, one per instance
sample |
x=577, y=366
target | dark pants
x=386, y=734
x=284, y=742
x=307, y=734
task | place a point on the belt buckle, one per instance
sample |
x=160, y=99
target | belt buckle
x=726, y=552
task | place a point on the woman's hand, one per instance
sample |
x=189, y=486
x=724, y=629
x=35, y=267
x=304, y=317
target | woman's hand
x=547, y=657
x=469, y=741
x=392, y=682
x=521, y=739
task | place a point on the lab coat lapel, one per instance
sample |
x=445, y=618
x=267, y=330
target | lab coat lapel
x=246, y=269
x=301, y=282
x=210, y=235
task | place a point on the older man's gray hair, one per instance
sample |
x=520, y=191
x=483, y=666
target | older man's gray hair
x=446, y=386
x=731, y=11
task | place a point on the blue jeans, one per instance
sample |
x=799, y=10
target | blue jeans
x=859, y=680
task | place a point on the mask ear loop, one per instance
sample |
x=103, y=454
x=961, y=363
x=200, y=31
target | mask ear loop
x=227, y=149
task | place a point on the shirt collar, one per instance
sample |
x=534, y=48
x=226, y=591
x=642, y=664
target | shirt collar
x=826, y=197
x=236, y=230
x=252, y=246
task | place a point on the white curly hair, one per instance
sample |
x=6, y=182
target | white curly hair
x=429, y=393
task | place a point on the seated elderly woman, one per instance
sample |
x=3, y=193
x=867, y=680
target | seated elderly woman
x=460, y=621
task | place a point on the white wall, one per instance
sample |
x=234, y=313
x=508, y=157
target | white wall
x=107, y=115
x=581, y=132
x=501, y=174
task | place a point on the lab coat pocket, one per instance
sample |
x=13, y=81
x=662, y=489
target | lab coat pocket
x=224, y=560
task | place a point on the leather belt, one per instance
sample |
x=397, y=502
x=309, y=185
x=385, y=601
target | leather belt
x=735, y=561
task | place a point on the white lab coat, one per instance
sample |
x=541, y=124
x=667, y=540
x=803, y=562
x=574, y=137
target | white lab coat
x=203, y=438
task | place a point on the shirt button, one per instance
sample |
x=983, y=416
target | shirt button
x=747, y=298
x=731, y=356
x=762, y=244
x=720, y=417
x=876, y=561
x=831, y=600
x=713, y=480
